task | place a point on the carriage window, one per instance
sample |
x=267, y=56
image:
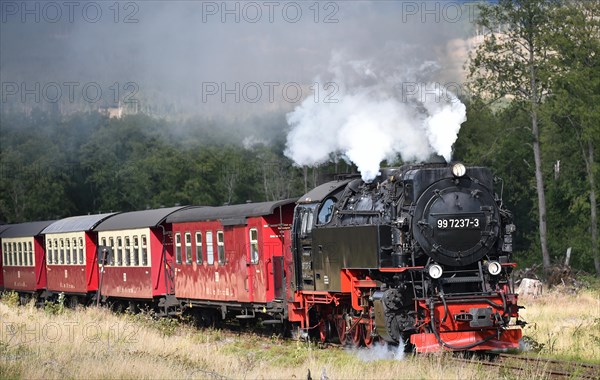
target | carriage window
x=326, y=211
x=199, y=247
x=55, y=251
x=144, y=251
x=111, y=258
x=15, y=254
x=20, y=257
x=30, y=252
x=74, y=251
x=103, y=258
x=221, y=247
x=49, y=251
x=10, y=254
x=67, y=251
x=4, y=254
x=119, y=261
x=178, y=248
x=136, y=251
x=81, y=252
x=210, y=255
x=188, y=248
x=61, y=257
x=254, y=246
x=127, y=258
x=25, y=255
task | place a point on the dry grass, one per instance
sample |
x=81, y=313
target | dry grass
x=95, y=343
x=565, y=326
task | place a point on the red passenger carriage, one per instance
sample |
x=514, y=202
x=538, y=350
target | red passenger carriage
x=139, y=260
x=23, y=258
x=71, y=259
x=234, y=259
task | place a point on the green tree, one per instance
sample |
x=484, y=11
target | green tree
x=576, y=92
x=498, y=138
x=514, y=61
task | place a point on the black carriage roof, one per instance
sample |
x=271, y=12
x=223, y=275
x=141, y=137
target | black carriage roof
x=3, y=228
x=76, y=223
x=25, y=229
x=136, y=219
x=233, y=212
x=320, y=192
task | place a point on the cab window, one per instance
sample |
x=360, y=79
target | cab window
x=326, y=211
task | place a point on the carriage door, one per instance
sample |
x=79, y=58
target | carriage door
x=279, y=281
x=257, y=280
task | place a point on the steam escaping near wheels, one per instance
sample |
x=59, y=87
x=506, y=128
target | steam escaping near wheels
x=379, y=351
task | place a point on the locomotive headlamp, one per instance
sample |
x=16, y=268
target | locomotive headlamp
x=494, y=268
x=435, y=271
x=459, y=170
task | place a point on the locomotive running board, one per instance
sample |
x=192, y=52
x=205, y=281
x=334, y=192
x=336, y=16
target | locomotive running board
x=463, y=340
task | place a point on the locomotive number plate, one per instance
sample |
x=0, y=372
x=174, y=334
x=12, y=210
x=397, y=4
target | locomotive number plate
x=451, y=223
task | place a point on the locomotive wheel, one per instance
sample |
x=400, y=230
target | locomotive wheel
x=340, y=325
x=368, y=339
x=324, y=331
x=356, y=335
x=73, y=302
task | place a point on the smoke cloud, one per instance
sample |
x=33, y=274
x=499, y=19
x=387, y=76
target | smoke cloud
x=386, y=108
x=212, y=59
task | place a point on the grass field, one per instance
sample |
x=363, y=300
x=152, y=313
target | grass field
x=95, y=343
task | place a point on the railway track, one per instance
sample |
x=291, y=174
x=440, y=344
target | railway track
x=536, y=367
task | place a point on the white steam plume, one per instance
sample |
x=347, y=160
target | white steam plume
x=379, y=351
x=377, y=114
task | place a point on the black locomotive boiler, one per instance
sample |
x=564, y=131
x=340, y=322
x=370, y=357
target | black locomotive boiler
x=420, y=256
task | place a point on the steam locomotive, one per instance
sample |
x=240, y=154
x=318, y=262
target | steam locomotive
x=420, y=256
